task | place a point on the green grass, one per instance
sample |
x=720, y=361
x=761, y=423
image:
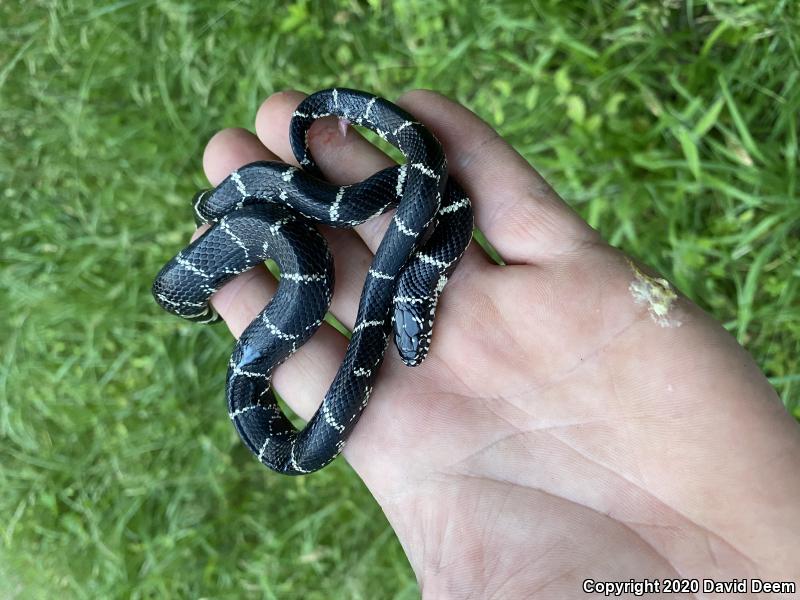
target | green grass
x=672, y=127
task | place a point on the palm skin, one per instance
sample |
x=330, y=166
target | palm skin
x=559, y=430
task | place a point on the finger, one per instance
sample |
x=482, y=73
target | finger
x=520, y=214
x=344, y=159
x=303, y=379
x=230, y=149
x=245, y=295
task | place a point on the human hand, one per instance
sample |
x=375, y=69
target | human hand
x=575, y=418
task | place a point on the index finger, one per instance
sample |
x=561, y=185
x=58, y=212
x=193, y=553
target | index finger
x=520, y=214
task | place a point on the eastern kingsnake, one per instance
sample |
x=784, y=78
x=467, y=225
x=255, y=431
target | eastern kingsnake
x=266, y=210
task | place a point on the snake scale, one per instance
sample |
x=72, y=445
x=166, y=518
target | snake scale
x=269, y=209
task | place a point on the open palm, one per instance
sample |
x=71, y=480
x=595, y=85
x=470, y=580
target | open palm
x=575, y=419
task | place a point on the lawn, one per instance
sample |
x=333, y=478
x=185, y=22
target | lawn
x=670, y=126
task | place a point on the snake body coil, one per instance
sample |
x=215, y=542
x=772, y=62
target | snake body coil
x=267, y=210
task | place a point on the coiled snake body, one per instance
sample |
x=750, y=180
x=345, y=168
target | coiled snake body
x=267, y=210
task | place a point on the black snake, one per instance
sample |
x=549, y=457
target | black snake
x=266, y=210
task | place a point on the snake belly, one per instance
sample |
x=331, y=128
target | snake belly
x=268, y=209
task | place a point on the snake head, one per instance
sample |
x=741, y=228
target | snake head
x=413, y=324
